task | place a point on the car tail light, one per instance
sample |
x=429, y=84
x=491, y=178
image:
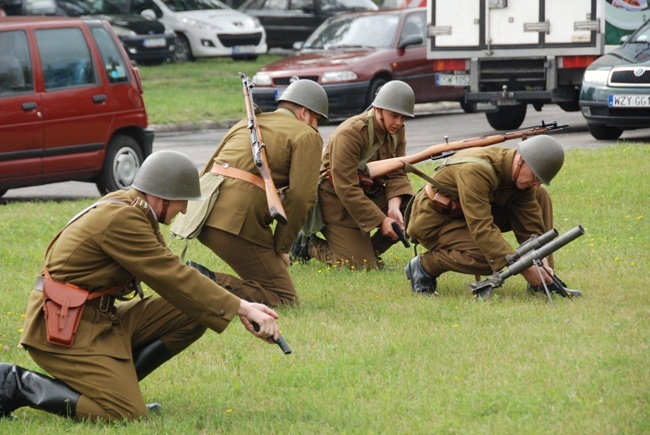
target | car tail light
x=575, y=61
x=451, y=65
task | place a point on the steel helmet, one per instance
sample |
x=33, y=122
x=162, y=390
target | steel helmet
x=309, y=94
x=396, y=96
x=544, y=155
x=169, y=175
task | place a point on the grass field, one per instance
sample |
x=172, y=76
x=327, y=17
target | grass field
x=208, y=89
x=371, y=357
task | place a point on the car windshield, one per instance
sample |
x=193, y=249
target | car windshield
x=641, y=35
x=76, y=8
x=355, y=32
x=194, y=5
x=348, y=5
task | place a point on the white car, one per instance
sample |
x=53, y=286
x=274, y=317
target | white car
x=207, y=28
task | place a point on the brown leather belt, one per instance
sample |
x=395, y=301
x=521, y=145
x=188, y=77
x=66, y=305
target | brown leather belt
x=228, y=171
x=105, y=303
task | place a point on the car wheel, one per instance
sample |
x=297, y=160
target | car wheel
x=121, y=163
x=603, y=132
x=507, y=117
x=183, y=52
x=375, y=86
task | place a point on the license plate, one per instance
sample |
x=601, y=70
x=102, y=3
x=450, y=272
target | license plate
x=154, y=42
x=243, y=49
x=452, y=79
x=629, y=101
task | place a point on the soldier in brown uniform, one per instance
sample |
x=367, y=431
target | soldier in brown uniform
x=351, y=209
x=481, y=193
x=116, y=345
x=239, y=227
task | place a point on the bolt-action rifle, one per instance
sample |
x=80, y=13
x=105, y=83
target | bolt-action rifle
x=530, y=253
x=380, y=168
x=259, y=155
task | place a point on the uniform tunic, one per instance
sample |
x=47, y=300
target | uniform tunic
x=344, y=204
x=239, y=227
x=475, y=244
x=105, y=247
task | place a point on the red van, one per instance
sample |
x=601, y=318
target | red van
x=71, y=105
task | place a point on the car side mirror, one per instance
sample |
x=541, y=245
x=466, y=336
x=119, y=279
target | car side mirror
x=410, y=40
x=148, y=14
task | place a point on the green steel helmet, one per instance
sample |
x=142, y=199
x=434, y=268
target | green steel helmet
x=169, y=175
x=397, y=97
x=309, y=94
x=544, y=155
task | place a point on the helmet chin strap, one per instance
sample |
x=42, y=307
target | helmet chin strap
x=163, y=212
x=381, y=118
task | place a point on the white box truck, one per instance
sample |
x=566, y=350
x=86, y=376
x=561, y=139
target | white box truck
x=512, y=53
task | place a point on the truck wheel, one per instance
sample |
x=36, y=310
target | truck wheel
x=507, y=117
x=603, y=132
x=183, y=51
x=121, y=163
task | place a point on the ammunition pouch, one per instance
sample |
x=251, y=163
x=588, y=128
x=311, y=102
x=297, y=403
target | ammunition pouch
x=444, y=205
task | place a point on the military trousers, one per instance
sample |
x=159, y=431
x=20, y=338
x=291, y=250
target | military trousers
x=263, y=275
x=109, y=386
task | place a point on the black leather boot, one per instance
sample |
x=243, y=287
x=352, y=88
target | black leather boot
x=421, y=281
x=21, y=387
x=149, y=357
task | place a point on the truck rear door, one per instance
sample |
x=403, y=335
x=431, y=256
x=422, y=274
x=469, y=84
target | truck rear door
x=513, y=28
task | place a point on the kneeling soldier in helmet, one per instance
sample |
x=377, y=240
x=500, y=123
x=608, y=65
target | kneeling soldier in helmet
x=106, y=249
x=352, y=205
x=479, y=194
x=238, y=228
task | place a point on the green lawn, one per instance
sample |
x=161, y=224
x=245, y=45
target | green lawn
x=371, y=357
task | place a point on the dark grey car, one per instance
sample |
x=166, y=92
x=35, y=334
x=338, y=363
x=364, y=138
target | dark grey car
x=289, y=21
x=615, y=93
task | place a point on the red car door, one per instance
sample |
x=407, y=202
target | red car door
x=21, y=121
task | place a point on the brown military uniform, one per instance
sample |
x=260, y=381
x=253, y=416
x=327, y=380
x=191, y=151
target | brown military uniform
x=239, y=227
x=106, y=247
x=475, y=245
x=349, y=213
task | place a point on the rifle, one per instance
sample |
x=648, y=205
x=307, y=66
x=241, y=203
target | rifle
x=529, y=253
x=380, y=168
x=259, y=155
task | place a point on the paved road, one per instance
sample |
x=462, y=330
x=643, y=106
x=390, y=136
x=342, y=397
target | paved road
x=432, y=124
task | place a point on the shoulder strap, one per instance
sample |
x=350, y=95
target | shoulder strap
x=454, y=161
x=77, y=216
x=373, y=144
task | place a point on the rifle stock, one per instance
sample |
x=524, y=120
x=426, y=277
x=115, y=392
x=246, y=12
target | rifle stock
x=259, y=155
x=380, y=168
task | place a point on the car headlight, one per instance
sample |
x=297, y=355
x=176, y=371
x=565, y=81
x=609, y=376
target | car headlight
x=338, y=76
x=262, y=80
x=199, y=24
x=596, y=76
x=123, y=31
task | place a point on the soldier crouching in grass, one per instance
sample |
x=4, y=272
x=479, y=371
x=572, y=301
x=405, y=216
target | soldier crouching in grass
x=479, y=194
x=105, y=250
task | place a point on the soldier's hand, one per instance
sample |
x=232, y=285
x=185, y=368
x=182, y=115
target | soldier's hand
x=285, y=259
x=263, y=316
